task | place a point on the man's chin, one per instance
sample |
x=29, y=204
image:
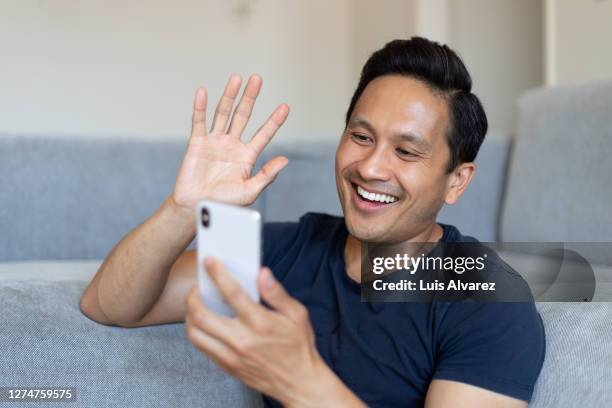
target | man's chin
x=365, y=231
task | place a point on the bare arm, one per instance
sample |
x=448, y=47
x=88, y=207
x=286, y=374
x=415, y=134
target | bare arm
x=146, y=277
x=147, y=274
x=445, y=393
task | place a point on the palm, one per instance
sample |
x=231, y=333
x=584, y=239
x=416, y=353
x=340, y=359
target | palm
x=218, y=165
x=217, y=169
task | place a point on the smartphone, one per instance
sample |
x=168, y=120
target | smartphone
x=233, y=235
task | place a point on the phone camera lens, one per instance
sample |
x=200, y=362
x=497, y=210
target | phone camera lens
x=205, y=217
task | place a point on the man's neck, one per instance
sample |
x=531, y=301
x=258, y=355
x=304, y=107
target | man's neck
x=352, y=249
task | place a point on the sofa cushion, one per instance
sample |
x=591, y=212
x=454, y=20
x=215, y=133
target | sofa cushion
x=576, y=371
x=46, y=341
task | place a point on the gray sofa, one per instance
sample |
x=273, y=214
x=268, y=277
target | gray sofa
x=66, y=202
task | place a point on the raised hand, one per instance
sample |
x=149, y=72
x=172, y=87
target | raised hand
x=218, y=165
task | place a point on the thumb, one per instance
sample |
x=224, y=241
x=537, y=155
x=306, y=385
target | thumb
x=276, y=296
x=266, y=175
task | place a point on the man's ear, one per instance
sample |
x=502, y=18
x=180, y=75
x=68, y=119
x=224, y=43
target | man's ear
x=458, y=181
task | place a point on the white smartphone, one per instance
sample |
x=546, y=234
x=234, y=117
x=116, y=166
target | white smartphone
x=233, y=235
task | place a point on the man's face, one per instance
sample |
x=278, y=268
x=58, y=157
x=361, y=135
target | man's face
x=394, y=151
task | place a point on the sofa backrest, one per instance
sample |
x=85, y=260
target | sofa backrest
x=306, y=184
x=74, y=198
x=559, y=185
x=478, y=210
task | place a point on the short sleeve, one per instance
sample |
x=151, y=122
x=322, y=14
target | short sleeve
x=497, y=346
x=278, y=238
x=283, y=241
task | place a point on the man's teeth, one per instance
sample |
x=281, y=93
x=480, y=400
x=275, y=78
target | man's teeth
x=382, y=198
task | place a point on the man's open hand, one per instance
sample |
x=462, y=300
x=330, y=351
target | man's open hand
x=272, y=351
x=218, y=164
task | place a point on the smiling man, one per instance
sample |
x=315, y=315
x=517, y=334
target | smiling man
x=413, y=129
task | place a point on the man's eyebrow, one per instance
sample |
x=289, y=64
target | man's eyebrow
x=417, y=139
x=359, y=121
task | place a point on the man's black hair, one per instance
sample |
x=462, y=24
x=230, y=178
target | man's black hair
x=443, y=71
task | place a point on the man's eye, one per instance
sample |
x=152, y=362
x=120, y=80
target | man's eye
x=360, y=138
x=406, y=153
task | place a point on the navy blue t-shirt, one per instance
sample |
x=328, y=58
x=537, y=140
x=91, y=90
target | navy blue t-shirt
x=388, y=353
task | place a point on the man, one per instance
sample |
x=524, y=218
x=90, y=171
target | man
x=413, y=129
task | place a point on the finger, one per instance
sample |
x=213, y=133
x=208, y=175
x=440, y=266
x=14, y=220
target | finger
x=268, y=130
x=266, y=175
x=244, y=109
x=212, y=347
x=275, y=295
x=198, y=119
x=230, y=289
x=220, y=327
x=224, y=108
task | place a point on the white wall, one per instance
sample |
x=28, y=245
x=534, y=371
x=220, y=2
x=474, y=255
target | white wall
x=130, y=68
x=501, y=43
x=578, y=40
x=374, y=26
x=432, y=19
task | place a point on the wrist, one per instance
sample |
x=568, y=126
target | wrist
x=306, y=386
x=181, y=216
x=320, y=387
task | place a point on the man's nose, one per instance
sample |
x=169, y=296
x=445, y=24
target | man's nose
x=375, y=166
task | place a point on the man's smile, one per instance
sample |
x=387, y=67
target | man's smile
x=371, y=201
